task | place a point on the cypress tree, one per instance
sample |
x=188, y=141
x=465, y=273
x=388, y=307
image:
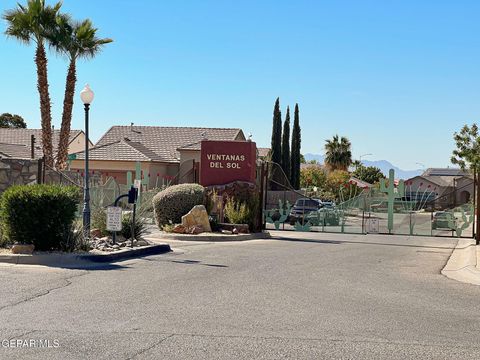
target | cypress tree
x=286, y=145
x=296, y=142
x=276, y=150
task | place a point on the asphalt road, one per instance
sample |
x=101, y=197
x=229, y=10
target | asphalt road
x=304, y=296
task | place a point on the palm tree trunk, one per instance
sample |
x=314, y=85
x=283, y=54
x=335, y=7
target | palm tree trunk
x=46, y=115
x=66, y=116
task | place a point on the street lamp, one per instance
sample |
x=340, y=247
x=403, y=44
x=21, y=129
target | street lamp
x=87, y=97
x=361, y=165
x=364, y=156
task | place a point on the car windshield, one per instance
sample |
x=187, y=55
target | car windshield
x=311, y=203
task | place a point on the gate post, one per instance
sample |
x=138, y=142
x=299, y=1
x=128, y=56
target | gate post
x=262, y=190
x=477, y=235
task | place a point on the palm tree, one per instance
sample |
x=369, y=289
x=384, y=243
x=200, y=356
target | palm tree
x=338, y=154
x=74, y=40
x=29, y=24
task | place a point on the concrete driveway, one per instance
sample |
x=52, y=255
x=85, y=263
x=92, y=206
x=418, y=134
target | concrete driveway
x=297, y=296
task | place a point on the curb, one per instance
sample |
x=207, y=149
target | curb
x=57, y=259
x=462, y=264
x=127, y=254
x=210, y=238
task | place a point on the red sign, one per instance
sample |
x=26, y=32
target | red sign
x=222, y=162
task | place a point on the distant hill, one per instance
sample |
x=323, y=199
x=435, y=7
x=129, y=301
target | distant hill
x=383, y=165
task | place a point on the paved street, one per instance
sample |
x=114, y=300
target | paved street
x=299, y=296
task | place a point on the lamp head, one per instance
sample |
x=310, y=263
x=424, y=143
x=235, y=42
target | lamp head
x=87, y=95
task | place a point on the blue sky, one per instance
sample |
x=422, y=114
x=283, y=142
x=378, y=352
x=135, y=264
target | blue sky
x=396, y=77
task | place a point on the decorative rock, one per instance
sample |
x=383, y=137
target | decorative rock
x=179, y=229
x=226, y=232
x=115, y=247
x=235, y=231
x=241, y=228
x=142, y=243
x=197, y=216
x=195, y=230
x=23, y=248
x=96, y=233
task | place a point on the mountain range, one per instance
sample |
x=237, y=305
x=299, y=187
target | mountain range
x=383, y=165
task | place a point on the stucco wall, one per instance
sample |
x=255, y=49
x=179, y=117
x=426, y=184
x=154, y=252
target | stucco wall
x=119, y=169
x=78, y=144
x=186, y=164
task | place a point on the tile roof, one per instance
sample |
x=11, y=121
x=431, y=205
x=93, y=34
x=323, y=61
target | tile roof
x=443, y=181
x=23, y=137
x=15, y=151
x=160, y=143
x=123, y=150
x=360, y=183
x=445, y=172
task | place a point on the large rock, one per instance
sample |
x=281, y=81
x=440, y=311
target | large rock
x=198, y=216
x=235, y=228
x=179, y=229
x=23, y=249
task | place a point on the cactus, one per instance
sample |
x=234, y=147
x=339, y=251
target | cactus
x=304, y=227
x=466, y=221
x=282, y=210
x=392, y=193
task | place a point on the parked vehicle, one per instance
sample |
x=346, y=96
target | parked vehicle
x=328, y=204
x=443, y=220
x=303, y=207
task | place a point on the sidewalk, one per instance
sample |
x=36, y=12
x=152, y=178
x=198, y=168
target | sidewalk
x=463, y=264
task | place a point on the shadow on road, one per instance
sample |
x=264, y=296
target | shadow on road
x=189, y=262
x=339, y=242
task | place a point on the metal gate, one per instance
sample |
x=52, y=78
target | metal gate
x=389, y=208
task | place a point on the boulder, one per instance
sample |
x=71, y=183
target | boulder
x=23, y=248
x=198, y=216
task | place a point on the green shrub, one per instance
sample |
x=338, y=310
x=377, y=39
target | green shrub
x=237, y=212
x=74, y=240
x=99, y=221
x=41, y=215
x=138, y=229
x=248, y=215
x=172, y=203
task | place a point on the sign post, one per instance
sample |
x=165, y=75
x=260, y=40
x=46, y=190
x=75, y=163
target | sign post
x=132, y=196
x=114, y=218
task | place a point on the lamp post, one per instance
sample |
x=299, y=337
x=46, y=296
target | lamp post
x=364, y=156
x=361, y=172
x=87, y=97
